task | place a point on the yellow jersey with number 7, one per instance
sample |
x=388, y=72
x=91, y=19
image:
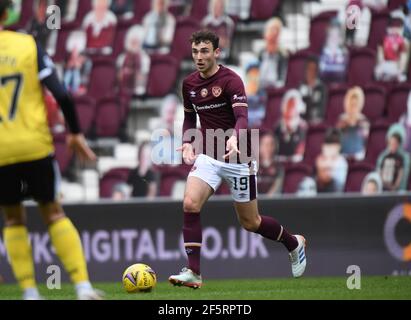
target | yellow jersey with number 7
x=24, y=131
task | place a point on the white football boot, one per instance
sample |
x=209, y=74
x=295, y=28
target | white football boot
x=186, y=278
x=89, y=293
x=32, y=294
x=298, y=258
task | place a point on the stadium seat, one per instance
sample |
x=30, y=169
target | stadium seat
x=86, y=110
x=313, y=142
x=355, y=176
x=84, y=7
x=296, y=67
x=263, y=9
x=379, y=23
x=318, y=30
x=169, y=175
x=395, y=4
x=397, y=101
x=185, y=26
x=335, y=104
x=62, y=36
x=110, y=179
x=199, y=9
x=374, y=106
x=163, y=75
x=361, y=66
x=273, y=107
x=121, y=30
x=108, y=117
x=63, y=155
x=141, y=7
x=294, y=174
x=103, y=78
x=376, y=142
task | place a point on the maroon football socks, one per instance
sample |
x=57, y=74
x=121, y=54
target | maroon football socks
x=271, y=229
x=192, y=233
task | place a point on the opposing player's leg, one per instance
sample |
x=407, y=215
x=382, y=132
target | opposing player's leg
x=201, y=184
x=243, y=184
x=17, y=243
x=15, y=234
x=66, y=241
x=269, y=228
x=42, y=180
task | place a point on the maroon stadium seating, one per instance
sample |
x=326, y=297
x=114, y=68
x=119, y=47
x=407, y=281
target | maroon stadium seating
x=169, y=176
x=379, y=23
x=108, y=117
x=313, y=142
x=273, y=107
x=361, y=66
x=199, y=9
x=335, y=104
x=395, y=4
x=162, y=76
x=110, y=179
x=296, y=67
x=121, y=30
x=294, y=174
x=103, y=78
x=376, y=142
x=355, y=176
x=86, y=110
x=263, y=9
x=141, y=7
x=84, y=7
x=397, y=101
x=181, y=48
x=318, y=30
x=374, y=105
x=62, y=36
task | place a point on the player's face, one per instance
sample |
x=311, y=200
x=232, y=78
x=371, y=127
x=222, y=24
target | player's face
x=204, y=56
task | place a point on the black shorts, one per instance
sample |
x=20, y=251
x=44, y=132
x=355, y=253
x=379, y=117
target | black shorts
x=35, y=179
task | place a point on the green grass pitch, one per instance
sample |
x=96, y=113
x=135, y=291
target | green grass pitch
x=379, y=287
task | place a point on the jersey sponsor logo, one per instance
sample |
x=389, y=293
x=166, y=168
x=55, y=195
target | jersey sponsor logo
x=208, y=107
x=217, y=91
x=204, y=92
x=193, y=94
x=242, y=195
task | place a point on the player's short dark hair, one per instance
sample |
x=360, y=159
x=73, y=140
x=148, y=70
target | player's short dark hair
x=4, y=5
x=205, y=36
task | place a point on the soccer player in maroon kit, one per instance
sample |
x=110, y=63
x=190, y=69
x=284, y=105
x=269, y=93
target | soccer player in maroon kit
x=217, y=95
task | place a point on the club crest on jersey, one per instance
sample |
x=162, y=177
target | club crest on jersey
x=204, y=93
x=217, y=91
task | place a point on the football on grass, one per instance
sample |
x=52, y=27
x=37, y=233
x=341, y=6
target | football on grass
x=139, y=278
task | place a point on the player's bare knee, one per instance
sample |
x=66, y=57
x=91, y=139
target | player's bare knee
x=191, y=205
x=51, y=212
x=12, y=221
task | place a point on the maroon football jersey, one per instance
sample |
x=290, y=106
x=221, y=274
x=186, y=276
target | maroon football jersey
x=213, y=99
